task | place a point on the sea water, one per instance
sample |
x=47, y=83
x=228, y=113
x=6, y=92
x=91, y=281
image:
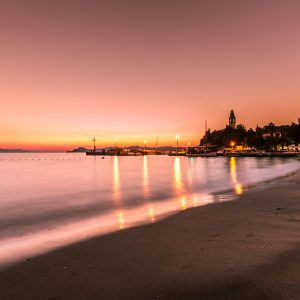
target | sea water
x=49, y=200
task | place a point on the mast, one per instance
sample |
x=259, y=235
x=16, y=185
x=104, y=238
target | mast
x=206, y=134
x=94, y=140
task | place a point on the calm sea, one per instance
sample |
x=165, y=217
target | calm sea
x=51, y=200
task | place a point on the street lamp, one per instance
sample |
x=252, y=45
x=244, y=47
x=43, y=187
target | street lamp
x=188, y=148
x=177, y=138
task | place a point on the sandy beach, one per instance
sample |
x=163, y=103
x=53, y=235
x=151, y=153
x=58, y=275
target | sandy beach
x=243, y=249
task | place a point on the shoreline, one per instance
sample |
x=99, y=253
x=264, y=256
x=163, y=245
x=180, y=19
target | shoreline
x=215, y=197
x=243, y=249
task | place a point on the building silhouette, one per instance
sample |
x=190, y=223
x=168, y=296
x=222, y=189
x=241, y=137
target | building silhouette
x=232, y=119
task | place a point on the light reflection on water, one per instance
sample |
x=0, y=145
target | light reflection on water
x=145, y=176
x=151, y=212
x=50, y=200
x=177, y=175
x=116, y=191
x=238, y=188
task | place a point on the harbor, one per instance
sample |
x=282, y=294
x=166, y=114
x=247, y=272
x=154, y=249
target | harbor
x=233, y=141
x=193, y=152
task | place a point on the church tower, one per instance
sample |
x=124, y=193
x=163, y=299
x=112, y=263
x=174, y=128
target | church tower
x=232, y=119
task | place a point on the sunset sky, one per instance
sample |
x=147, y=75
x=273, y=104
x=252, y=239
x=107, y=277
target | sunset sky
x=137, y=69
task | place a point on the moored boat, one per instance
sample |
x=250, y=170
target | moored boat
x=262, y=154
x=177, y=153
x=204, y=154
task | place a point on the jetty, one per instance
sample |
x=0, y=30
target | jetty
x=262, y=154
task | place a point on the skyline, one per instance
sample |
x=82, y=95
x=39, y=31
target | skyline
x=137, y=70
x=150, y=143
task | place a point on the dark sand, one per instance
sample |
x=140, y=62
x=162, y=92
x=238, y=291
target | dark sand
x=244, y=249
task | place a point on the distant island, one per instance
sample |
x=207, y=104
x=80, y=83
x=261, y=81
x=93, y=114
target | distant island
x=14, y=151
x=78, y=150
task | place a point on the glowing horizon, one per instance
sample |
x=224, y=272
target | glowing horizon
x=134, y=70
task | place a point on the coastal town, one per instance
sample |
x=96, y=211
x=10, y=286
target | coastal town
x=150, y=150
x=234, y=140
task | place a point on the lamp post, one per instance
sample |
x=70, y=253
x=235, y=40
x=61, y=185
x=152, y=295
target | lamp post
x=177, y=138
x=188, y=148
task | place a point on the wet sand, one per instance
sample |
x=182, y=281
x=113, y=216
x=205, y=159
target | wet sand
x=244, y=249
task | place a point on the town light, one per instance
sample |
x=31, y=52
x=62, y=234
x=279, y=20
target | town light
x=232, y=145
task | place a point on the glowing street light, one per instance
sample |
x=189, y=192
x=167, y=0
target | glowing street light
x=232, y=145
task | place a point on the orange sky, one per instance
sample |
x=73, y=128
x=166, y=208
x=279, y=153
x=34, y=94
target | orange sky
x=134, y=70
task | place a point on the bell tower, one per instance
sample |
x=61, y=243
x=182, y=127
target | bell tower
x=232, y=119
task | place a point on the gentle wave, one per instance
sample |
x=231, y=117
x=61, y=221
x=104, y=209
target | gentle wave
x=49, y=201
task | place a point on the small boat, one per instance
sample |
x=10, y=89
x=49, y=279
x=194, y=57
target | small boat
x=261, y=154
x=177, y=153
x=220, y=153
x=204, y=154
x=94, y=153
